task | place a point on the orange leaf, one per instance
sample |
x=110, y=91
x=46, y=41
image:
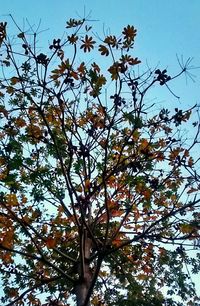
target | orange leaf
x=8, y=239
x=117, y=213
x=88, y=44
x=74, y=75
x=82, y=69
x=51, y=243
x=87, y=185
x=147, y=269
x=103, y=50
x=136, y=214
x=6, y=258
x=20, y=122
x=190, y=162
x=3, y=111
x=14, y=80
x=129, y=32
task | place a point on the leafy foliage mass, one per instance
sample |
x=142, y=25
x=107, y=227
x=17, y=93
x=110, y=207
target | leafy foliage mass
x=99, y=192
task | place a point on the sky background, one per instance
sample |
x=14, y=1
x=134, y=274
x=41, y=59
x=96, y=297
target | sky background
x=165, y=29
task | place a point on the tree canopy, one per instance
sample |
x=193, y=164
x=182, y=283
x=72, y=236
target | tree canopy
x=99, y=196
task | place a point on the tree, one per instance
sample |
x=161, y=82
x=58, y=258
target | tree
x=99, y=195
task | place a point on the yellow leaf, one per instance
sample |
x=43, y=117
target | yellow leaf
x=111, y=179
x=11, y=199
x=2, y=161
x=24, y=199
x=186, y=228
x=82, y=121
x=103, y=273
x=142, y=277
x=79, y=188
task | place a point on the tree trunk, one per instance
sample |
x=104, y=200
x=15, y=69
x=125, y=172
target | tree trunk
x=83, y=285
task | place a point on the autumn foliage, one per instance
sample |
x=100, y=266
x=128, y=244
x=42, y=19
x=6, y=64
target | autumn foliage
x=99, y=188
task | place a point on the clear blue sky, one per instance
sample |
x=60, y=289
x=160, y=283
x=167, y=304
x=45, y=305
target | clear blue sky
x=165, y=28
